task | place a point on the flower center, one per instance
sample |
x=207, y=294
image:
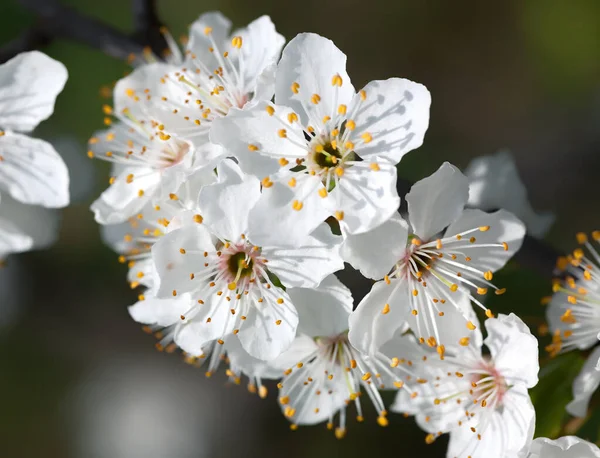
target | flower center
x=240, y=264
x=326, y=156
x=488, y=386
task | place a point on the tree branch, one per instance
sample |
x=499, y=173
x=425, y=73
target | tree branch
x=58, y=21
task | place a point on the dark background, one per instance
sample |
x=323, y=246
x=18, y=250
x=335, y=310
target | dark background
x=78, y=378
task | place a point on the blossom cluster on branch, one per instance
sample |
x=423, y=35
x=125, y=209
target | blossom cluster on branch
x=246, y=173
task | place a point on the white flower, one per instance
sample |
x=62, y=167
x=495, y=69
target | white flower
x=149, y=164
x=165, y=112
x=574, y=310
x=233, y=273
x=335, y=150
x=325, y=373
x=482, y=401
x=563, y=447
x=32, y=174
x=494, y=183
x=448, y=255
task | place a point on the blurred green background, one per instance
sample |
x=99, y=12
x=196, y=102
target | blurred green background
x=80, y=379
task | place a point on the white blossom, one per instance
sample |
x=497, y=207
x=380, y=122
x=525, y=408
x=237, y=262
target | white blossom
x=233, y=274
x=432, y=266
x=323, y=149
x=481, y=400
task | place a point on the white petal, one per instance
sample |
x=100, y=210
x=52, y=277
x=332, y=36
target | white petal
x=275, y=221
x=585, y=385
x=131, y=92
x=32, y=172
x=261, y=336
x=29, y=84
x=323, y=311
x=253, y=137
x=161, y=312
x=261, y=47
x=200, y=41
x=240, y=360
x=563, y=447
x=28, y=226
x=514, y=349
x=504, y=228
x=494, y=183
x=437, y=201
x=12, y=238
x=366, y=198
x=194, y=335
x=306, y=261
x=506, y=434
x=395, y=113
x=312, y=62
x=370, y=327
x=374, y=253
x=173, y=266
x=122, y=199
x=225, y=205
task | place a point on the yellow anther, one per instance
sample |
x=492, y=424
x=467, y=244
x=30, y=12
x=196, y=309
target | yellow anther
x=505, y=246
x=464, y=341
x=367, y=376
x=266, y=182
x=581, y=237
x=342, y=109
x=325, y=118
x=90, y=154
x=283, y=162
x=297, y=205
x=489, y=313
x=295, y=87
x=482, y=291
x=232, y=286
x=280, y=301
x=382, y=421
x=484, y=228
x=292, y=183
x=316, y=98
x=363, y=95
x=270, y=110
x=488, y=275
x=236, y=42
x=429, y=439
x=198, y=219
x=339, y=171
x=336, y=80
x=252, y=147
x=367, y=137
x=339, y=215
x=453, y=287
x=282, y=133
x=471, y=326
x=182, y=250
x=395, y=362
x=292, y=117
x=386, y=309
x=500, y=291
x=374, y=166
x=173, y=196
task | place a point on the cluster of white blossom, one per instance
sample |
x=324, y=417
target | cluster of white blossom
x=246, y=173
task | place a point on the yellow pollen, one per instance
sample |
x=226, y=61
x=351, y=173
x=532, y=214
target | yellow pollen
x=270, y=110
x=316, y=98
x=266, y=182
x=292, y=117
x=292, y=183
x=471, y=326
x=336, y=80
x=488, y=275
x=253, y=147
x=339, y=215
x=367, y=137
x=382, y=421
x=374, y=166
x=489, y=313
x=182, y=251
x=339, y=171
x=453, y=287
x=283, y=162
x=342, y=109
x=386, y=309
x=295, y=87
x=297, y=205
x=464, y=341
x=198, y=219
x=282, y=133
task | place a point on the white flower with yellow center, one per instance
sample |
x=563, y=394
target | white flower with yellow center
x=234, y=275
x=325, y=374
x=574, y=317
x=563, y=447
x=32, y=174
x=447, y=254
x=574, y=310
x=323, y=149
x=481, y=400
